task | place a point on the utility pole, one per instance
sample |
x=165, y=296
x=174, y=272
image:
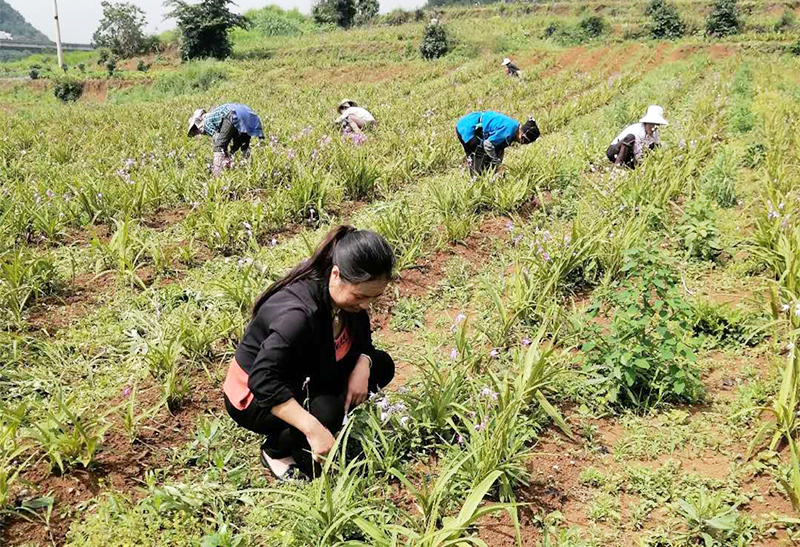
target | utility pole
x=58, y=35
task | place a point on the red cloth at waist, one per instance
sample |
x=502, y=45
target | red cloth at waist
x=235, y=386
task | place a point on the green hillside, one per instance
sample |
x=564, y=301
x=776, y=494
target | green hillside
x=16, y=25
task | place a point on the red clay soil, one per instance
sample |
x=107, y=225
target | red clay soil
x=164, y=218
x=120, y=466
x=715, y=51
x=81, y=297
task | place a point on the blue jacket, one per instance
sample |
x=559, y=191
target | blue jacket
x=245, y=120
x=498, y=128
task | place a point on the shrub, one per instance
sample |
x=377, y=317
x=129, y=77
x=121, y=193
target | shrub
x=643, y=360
x=400, y=16
x=341, y=13
x=204, y=27
x=111, y=66
x=68, y=90
x=723, y=19
x=199, y=76
x=591, y=26
x=435, y=41
x=82, y=68
x=103, y=55
x=786, y=22
x=273, y=21
x=366, y=11
x=35, y=72
x=665, y=23
x=698, y=231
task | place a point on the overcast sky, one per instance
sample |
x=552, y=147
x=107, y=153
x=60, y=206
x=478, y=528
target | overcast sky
x=79, y=18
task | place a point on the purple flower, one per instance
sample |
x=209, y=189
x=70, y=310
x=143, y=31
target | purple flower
x=290, y=154
x=325, y=141
x=481, y=426
x=454, y=354
x=517, y=239
x=487, y=393
x=460, y=439
x=509, y=226
x=546, y=256
x=126, y=391
x=494, y=354
x=384, y=404
x=526, y=341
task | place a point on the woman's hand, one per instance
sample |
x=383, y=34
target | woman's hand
x=321, y=441
x=358, y=384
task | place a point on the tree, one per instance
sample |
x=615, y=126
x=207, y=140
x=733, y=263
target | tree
x=121, y=29
x=341, y=13
x=723, y=19
x=665, y=23
x=204, y=27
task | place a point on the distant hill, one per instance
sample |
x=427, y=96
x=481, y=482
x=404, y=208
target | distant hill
x=16, y=25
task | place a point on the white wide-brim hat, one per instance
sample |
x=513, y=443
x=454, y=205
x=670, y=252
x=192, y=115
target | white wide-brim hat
x=196, y=121
x=506, y=61
x=654, y=115
x=347, y=103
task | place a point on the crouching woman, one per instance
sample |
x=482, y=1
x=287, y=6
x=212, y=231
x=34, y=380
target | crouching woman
x=307, y=357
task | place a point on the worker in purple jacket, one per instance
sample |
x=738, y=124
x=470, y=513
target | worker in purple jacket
x=229, y=124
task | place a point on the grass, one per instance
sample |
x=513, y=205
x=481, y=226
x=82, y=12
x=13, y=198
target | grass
x=127, y=273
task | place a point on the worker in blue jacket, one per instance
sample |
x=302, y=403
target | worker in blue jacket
x=485, y=136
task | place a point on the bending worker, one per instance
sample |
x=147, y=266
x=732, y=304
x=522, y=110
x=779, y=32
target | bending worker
x=511, y=68
x=307, y=357
x=485, y=136
x=354, y=118
x=630, y=145
x=228, y=124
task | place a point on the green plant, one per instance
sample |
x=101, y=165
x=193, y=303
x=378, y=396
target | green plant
x=723, y=19
x=435, y=41
x=408, y=314
x=644, y=360
x=786, y=22
x=719, y=181
x=591, y=26
x=69, y=437
x=24, y=277
x=111, y=66
x=68, y=90
x=603, y=508
x=141, y=66
x=698, y=231
x=11, y=454
x=710, y=520
x=665, y=23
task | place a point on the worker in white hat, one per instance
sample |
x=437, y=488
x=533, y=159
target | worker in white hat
x=511, y=68
x=353, y=118
x=228, y=124
x=631, y=144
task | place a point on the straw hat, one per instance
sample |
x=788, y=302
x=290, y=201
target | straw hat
x=197, y=120
x=506, y=61
x=347, y=103
x=654, y=115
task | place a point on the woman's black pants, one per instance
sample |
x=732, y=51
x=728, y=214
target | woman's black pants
x=284, y=440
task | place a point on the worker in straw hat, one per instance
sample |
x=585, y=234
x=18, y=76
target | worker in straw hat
x=228, y=124
x=485, y=136
x=630, y=145
x=511, y=68
x=353, y=118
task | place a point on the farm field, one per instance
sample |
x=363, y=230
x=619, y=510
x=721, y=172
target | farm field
x=586, y=356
